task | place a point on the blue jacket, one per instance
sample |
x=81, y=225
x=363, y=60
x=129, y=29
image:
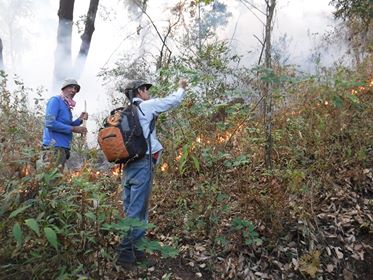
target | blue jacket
x=58, y=124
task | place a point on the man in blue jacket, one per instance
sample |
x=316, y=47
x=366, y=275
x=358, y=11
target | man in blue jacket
x=137, y=181
x=59, y=124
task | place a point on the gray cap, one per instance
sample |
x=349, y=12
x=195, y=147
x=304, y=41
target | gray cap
x=131, y=86
x=70, y=82
x=137, y=84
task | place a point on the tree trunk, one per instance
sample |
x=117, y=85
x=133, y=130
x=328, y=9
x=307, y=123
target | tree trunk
x=62, y=68
x=1, y=56
x=86, y=38
x=267, y=88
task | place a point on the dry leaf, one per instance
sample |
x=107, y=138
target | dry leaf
x=200, y=248
x=330, y=268
x=310, y=263
x=202, y=265
x=295, y=263
x=338, y=253
x=347, y=275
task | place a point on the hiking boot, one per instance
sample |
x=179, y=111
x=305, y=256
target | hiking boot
x=140, y=255
x=148, y=262
x=126, y=258
x=145, y=259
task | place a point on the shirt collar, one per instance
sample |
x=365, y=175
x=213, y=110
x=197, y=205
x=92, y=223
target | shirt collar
x=137, y=99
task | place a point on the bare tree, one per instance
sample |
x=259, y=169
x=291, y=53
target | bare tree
x=62, y=67
x=1, y=56
x=86, y=37
x=13, y=29
x=267, y=92
x=63, y=61
x=357, y=26
x=165, y=52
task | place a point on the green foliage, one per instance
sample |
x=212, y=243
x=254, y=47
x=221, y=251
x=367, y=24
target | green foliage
x=63, y=226
x=346, y=9
x=154, y=246
x=33, y=224
x=247, y=228
x=241, y=160
x=77, y=221
x=20, y=130
x=18, y=234
x=126, y=225
x=51, y=237
x=18, y=211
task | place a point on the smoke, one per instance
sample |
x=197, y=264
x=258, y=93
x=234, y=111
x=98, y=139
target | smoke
x=216, y=17
x=298, y=26
x=135, y=7
x=34, y=42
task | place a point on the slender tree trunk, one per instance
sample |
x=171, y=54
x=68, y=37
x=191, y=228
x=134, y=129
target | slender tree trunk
x=62, y=67
x=199, y=27
x=1, y=56
x=267, y=88
x=86, y=38
x=165, y=52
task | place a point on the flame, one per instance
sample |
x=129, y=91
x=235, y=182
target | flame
x=326, y=103
x=201, y=140
x=164, y=167
x=75, y=174
x=116, y=170
x=362, y=89
x=224, y=137
x=25, y=171
x=178, y=157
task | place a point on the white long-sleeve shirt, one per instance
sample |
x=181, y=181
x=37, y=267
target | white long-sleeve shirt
x=152, y=108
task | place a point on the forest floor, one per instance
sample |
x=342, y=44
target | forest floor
x=334, y=243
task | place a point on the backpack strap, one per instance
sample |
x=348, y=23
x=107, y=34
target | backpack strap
x=151, y=128
x=137, y=103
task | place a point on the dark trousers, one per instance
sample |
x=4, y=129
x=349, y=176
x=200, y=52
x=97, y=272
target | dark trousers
x=53, y=157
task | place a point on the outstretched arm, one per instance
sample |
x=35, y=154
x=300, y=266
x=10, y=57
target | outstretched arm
x=164, y=104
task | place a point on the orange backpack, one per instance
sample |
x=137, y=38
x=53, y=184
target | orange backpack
x=122, y=139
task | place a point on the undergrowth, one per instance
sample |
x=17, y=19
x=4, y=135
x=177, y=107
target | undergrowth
x=213, y=199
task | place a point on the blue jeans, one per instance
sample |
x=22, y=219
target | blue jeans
x=137, y=187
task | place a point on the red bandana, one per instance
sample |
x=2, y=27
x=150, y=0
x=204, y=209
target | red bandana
x=69, y=101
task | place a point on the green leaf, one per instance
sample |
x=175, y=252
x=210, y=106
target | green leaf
x=196, y=163
x=17, y=211
x=169, y=252
x=17, y=233
x=33, y=224
x=337, y=101
x=126, y=224
x=183, y=159
x=90, y=215
x=51, y=237
x=353, y=98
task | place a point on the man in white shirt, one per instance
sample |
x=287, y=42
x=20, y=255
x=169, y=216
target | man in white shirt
x=137, y=180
